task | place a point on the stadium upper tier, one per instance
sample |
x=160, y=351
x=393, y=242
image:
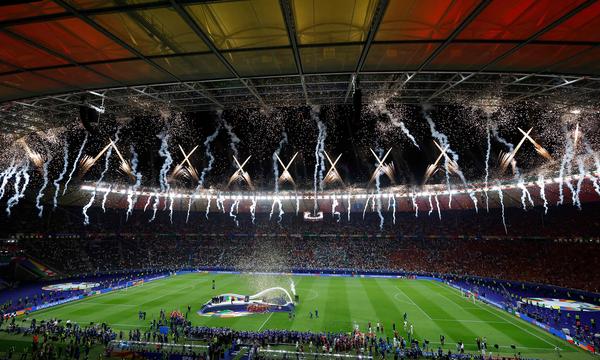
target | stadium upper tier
x=198, y=55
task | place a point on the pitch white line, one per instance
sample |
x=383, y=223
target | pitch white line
x=500, y=346
x=108, y=304
x=414, y=303
x=472, y=321
x=506, y=319
x=264, y=322
x=401, y=300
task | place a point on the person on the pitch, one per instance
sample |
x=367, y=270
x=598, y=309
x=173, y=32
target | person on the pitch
x=213, y=284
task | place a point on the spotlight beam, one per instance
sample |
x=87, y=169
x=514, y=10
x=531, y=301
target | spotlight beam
x=332, y=174
x=286, y=176
x=34, y=156
x=87, y=162
x=445, y=154
x=543, y=151
x=240, y=174
x=511, y=156
x=186, y=160
x=431, y=169
x=124, y=164
x=382, y=167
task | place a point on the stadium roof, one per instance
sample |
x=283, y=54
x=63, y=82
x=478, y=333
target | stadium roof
x=198, y=55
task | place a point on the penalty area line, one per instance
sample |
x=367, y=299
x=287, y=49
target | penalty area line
x=505, y=316
x=414, y=303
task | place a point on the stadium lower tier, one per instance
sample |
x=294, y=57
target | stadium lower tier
x=567, y=263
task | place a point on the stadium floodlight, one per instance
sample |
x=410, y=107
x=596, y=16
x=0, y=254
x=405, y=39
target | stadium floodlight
x=285, y=175
x=332, y=174
x=359, y=194
x=240, y=174
x=382, y=167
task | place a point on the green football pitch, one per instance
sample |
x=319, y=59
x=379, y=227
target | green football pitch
x=343, y=302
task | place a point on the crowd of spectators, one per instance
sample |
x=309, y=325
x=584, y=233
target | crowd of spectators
x=556, y=262
x=56, y=339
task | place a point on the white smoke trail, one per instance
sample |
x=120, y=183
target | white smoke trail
x=293, y=287
x=86, y=218
x=7, y=174
x=430, y=205
x=62, y=174
x=487, y=164
x=38, y=199
x=280, y=212
x=366, y=205
x=21, y=174
x=413, y=197
x=575, y=195
x=164, y=152
x=253, y=210
x=525, y=195
x=189, y=206
x=147, y=202
x=319, y=152
x=221, y=203
x=596, y=157
x=349, y=207
x=234, y=206
x=272, y=208
x=106, y=198
x=381, y=107
x=155, y=206
x=393, y=209
x=378, y=187
x=565, y=165
x=208, y=200
x=501, y=198
x=445, y=144
x=132, y=197
x=379, y=213
x=284, y=140
x=211, y=159
x=75, y=162
x=437, y=204
x=171, y=200
x=335, y=214
x=542, y=184
x=234, y=140
x=500, y=139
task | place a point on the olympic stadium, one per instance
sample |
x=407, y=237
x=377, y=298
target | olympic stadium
x=278, y=179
